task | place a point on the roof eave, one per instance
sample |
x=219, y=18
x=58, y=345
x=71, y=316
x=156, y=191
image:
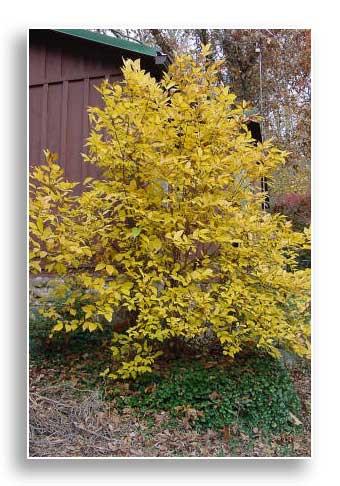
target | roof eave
x=113, y=42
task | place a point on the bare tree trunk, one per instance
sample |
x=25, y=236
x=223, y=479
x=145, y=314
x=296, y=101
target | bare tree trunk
x=163, y=43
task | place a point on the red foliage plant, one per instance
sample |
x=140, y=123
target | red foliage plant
x=297, y=207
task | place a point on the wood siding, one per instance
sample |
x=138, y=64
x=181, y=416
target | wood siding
x=63, y=73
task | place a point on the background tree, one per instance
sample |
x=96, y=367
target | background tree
x=286, y=62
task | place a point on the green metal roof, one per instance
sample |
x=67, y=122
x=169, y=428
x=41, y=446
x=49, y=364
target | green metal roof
x=110, y=41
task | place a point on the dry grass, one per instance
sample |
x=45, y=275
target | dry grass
x=68, y=422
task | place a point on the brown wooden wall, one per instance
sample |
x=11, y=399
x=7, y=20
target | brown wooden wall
x=63, y=72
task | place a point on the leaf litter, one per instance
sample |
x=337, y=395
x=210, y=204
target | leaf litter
x=68, y=421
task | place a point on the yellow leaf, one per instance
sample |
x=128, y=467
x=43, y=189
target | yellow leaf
x=40, y=225
x=58, y=327
x=74, y=325
x=135, y=232
x=92, y=326
x=206, y=49
x=170, y=85
x=60, y=268
x=35, y=266
x=177, y=235
x=126, y=287
x=118, y=90
x=110, y=269
x=155, y=244
x=105, y=372
x=108, y=316
x=100, y=266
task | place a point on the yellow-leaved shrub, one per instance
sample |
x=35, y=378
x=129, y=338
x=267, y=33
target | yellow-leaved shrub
x=173, y=233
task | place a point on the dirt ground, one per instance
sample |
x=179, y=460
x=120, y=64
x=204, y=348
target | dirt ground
x=68, y=420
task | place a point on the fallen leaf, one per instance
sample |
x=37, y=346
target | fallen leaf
x=133, y=452
x=112, y=447
x=244, y=437
x=159, y=418
x=226, y=433
x=114, y=419
x=151, y=388
x=214, y=395
x=294, y=419
x=296, y=446
x=101, y=416
x=209, y=364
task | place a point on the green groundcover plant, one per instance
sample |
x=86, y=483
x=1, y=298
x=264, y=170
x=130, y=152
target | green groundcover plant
x=253, y=393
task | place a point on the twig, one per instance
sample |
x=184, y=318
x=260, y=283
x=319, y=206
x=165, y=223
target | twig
x=52, y=401
x=91, y=432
